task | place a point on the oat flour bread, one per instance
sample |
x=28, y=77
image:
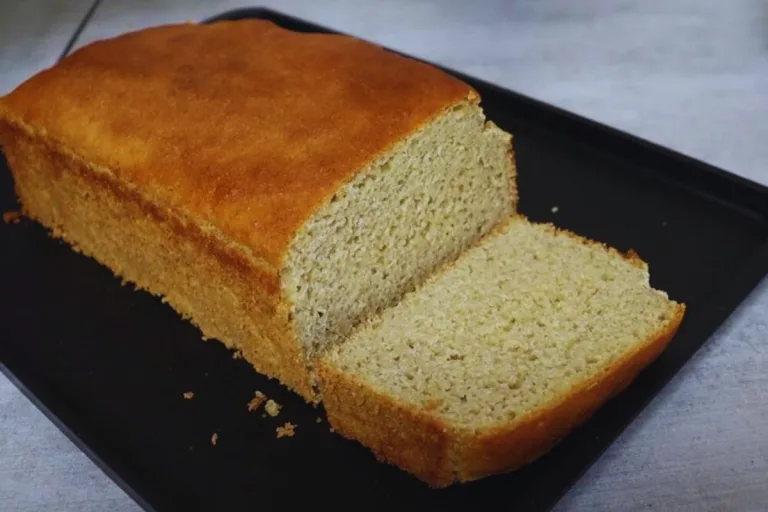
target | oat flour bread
x=274, y=187
x=346, y=218
x=497, y=356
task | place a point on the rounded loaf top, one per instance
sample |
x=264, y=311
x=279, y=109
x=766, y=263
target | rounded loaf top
x=242, y=125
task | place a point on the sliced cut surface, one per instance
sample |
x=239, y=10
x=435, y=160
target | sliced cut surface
x=534, y=322
x=414, y=208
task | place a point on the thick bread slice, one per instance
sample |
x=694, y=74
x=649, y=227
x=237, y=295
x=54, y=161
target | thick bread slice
x=498, y=356
x=275, y=187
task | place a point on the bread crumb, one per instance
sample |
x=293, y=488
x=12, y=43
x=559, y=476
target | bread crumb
x=555, y=209
x=258, y=399
x=204, y=337
x=332, y=429
x=214, y=438
x=12, y=217
x=189, y=395
x=318, y=420
x=286, y=431
x=272, y=408
x=238, y=354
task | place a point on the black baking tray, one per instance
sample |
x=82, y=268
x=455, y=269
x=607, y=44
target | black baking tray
x=108, y=364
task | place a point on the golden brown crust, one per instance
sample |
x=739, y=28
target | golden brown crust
x=513, y=175
x=239, y=125
x=396, y=433
x=631, y=256
x=230, y=296
x=509, y=447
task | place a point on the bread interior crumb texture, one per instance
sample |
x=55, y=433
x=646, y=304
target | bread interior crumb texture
x=425, y=201
x=515, y=324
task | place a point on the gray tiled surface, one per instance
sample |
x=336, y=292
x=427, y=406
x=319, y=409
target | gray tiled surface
x=33, y=34
x=690, y=74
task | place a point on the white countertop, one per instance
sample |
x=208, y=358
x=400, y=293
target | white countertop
x=688, y=74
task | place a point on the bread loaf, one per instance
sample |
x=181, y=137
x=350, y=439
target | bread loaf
x=498, y=356
x=346, y=218
x=275, y=188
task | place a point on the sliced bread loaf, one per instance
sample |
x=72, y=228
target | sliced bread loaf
x=498, y=356
x=275, y=187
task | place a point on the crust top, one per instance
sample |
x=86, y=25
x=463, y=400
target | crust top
x=244, y=126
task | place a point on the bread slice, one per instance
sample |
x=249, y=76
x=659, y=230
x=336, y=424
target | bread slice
x=275, y=188
x=498, y=356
